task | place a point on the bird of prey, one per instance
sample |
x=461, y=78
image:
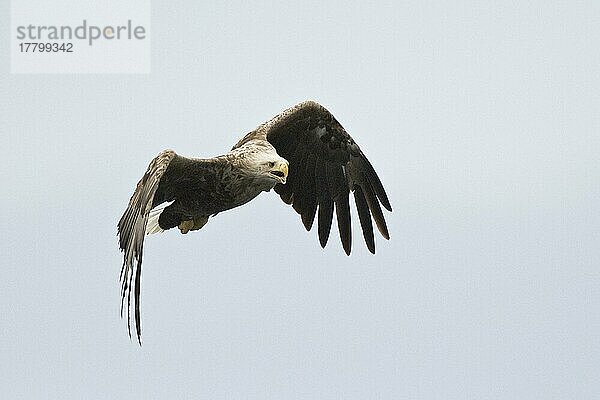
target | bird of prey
x=303, y=153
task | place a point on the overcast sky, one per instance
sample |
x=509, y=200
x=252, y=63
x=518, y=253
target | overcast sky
x=483, y=123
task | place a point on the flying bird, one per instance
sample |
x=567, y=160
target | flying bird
x=303, y=153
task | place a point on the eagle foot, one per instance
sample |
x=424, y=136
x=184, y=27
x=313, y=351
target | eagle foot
x=185, y=226
x=192, y=224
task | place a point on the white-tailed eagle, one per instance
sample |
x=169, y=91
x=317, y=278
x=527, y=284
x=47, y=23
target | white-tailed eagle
x=303, y=153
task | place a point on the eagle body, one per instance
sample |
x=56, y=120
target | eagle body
x=199, y=188
x=303, y=153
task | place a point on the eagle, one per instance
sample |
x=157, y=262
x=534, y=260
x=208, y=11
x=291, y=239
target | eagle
x=303, y=153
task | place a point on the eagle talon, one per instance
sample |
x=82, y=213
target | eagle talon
x=185, y=226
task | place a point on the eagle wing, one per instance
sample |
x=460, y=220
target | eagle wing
x=167, y=178
x=325, y=165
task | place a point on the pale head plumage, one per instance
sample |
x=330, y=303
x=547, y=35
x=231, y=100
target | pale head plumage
x=259, y=159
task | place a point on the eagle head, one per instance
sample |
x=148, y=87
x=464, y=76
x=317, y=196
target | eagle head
x=267, y=167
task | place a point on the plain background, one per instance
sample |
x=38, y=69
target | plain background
x=483, y=123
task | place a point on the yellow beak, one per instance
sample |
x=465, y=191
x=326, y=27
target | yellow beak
x=281, y=167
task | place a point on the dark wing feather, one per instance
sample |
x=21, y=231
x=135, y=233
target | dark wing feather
x=342, y=212
x=325, y=165
x=364, y=216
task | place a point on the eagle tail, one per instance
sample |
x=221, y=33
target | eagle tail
x=153, y=227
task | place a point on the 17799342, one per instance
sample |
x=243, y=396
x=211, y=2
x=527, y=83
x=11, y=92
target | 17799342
x=48, y=47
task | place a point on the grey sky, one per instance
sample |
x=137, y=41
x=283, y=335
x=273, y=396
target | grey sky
x=483, y=124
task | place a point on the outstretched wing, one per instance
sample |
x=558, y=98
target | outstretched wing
x=325, y=166
x=132, y=229
x=160, y=202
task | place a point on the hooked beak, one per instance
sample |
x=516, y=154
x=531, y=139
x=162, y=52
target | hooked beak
x=280, y=170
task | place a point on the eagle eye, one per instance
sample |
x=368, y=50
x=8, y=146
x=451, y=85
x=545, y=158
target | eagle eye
x=271, y=164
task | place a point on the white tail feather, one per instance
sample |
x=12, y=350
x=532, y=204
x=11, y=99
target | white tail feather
x=152, y=226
